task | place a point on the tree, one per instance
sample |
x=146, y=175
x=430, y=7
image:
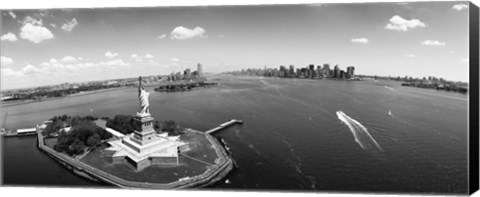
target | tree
x=171, y=127
x=122, y=123
x=84, y=133
x=93, y=140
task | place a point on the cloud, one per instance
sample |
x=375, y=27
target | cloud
x=5, y=61
x=398, y=23
x=460, y=7
x=9, y=37
x=433, y=43
x=113, y=63
x=55, y=67
x=34, y=31
x=175, y=59
x=53, y=25
x=30, y=69
x=359, y=40
x=69, y=59
x=70, y=25
x=13, y=15
x=162, y=36
x=149, y=56
x=410, y=55
x=110, y=54
x=465, y=60
x=182, y=33
x=137, y=58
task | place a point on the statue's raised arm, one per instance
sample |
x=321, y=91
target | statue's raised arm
x=143, y=98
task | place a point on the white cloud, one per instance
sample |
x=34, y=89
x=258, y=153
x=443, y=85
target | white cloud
x=410, y=55
x=398, y=23
x=9, y=37
x=113, y=63
x=53, y=25
x=34, y=31
x=149, y=56
x=69, y=59
x=70, y=25
x=460, y=7
x=6, y=61
x=175, y=59
x=465, y=60
x=8, y=72
x=182, y=33
x=29, y=70
x=450, y=52
x=54, y=66
x=162, y=36
x=433, y=43
x=13, y=15
x=110, y=54
x=136, y=57
x=359, y=40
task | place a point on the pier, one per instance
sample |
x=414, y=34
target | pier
x=18, y=132
x=224, y=125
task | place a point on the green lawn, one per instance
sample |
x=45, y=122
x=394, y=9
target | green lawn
x=201, y=149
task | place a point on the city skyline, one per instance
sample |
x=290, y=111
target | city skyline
x=45, y=47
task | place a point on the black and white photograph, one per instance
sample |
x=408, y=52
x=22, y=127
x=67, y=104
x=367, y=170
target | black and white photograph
x=361, y=97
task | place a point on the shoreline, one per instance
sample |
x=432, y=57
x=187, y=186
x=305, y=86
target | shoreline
x=24, y=102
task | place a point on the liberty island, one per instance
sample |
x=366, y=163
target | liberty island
x=145, y=158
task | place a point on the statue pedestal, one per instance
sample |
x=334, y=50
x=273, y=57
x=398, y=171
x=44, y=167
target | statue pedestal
x=144, y=123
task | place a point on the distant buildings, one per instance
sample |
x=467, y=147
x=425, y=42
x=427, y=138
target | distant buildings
x=308, y=72
x=187, y=75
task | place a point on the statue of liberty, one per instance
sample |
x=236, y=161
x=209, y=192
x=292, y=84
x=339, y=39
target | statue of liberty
x=143, y=98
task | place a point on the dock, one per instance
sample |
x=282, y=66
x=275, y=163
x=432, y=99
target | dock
x=19, y=132
x=224, y=125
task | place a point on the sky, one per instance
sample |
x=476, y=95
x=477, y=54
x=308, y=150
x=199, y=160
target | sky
x=52, y=46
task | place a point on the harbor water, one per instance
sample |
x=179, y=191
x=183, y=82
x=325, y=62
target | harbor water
x=314, y=135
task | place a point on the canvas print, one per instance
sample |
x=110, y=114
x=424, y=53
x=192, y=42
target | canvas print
x=357, y=97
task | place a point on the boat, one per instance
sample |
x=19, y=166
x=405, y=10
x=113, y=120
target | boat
x=390, y=113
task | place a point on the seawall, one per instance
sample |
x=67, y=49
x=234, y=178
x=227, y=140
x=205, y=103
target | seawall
x=223, y=165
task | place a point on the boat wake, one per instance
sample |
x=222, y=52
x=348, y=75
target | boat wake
x=360, y=133
x=389, y=88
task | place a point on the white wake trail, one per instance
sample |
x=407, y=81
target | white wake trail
x=360, y=133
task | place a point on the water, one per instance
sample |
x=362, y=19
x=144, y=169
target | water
x=292, y=138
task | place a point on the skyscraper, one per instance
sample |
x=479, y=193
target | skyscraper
x=199, y=70
x=292, y=71
x=326, y=70
x=311, y=71
x=336, y=72
x=350, y=72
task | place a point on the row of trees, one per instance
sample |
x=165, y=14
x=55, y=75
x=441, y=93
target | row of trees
x=126, y=124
